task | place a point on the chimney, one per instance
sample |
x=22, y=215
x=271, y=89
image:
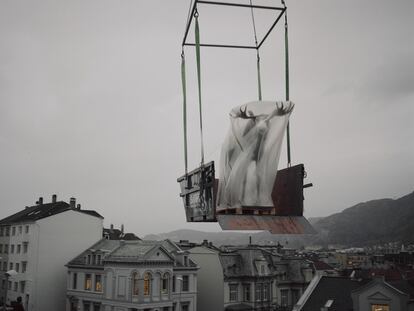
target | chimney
x=78, y=207
x=122, y=228
x=40, y=202
x=72, y=203
x=54, y=198
x=112, y=227
x=250, y=240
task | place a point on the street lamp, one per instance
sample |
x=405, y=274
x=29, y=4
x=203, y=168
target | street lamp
x=8, y=274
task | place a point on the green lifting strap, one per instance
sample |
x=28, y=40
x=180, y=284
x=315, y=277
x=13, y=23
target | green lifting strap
x=287, y=81
x=183, y=81
x=197, y=44
x=259, y=83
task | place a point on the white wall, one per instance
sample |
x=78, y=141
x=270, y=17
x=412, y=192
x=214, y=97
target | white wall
x=210, y=279
x=61, y=237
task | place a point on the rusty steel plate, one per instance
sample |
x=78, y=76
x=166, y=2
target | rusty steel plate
x=274, y=224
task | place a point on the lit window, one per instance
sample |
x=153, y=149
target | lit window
x=165, y=281
x=147, y=284
x=233, y=292
x=88, y=281
x=380, y=307
x=135, y=284
x=98, y=283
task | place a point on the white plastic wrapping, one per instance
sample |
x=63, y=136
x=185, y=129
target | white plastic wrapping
x=250, y=154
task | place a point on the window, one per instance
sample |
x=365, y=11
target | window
x=98, y=259
x=24, y=266
x=4, y=265
x=11, y=266
x=94, y=259
x=88, y=281
x=6, y=248
x=185, y=260
x=7, y=231
x=135, y=284
x=295, y=296
x=1, y=248
x=9, y=285
x=380, y=307
x=96, y=307
x=74, y=280
x=186, y=283
x=1, y=231
x=20, y=229
x=27, y=229
x=98, y=283
x=233, y=288
x=246, y=292
x=164, y=285
x=258, y=292
x=89, y=260
x=86, y=306
x=13, y=230
x=284, y=297
x=147, y=284
x=15, y=287
x=262, y=269
x=19, y=248
x=173, y=289
x=25, y=247
x=265, y=292
x=12, y=248
x=17, y=267
x=22, y=286
x=185, y=307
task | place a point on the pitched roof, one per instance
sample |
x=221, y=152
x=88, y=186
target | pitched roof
x=321, y=265
x=103, y=245
x=40, y=211
x=337, y=289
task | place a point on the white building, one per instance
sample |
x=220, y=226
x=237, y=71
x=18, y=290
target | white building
x=37, y=242
x=118, y=275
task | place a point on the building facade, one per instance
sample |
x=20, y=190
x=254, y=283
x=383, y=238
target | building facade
x=36, y=243
x=249, y=278
x=118, y=275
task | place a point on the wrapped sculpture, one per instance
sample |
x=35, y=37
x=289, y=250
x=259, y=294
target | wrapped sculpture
x=250, y=154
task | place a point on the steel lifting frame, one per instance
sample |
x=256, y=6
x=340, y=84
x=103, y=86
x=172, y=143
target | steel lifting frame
x=282, y=10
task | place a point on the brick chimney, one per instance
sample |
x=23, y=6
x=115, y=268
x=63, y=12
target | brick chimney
x=40, y=201
x=54, y=198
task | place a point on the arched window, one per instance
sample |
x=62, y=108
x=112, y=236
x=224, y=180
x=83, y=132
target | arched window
x=147, y=284
x=135, y=282
x=164, y=283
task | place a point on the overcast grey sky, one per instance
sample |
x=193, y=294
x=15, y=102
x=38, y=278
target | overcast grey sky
x=90, y=101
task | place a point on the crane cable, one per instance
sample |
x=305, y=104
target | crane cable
x=259, y=83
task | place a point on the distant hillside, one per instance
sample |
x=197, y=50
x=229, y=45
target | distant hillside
x=376, y=221
x=371, y=222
